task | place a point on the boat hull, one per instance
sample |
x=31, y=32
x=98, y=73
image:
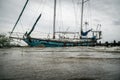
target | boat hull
x=57, y=43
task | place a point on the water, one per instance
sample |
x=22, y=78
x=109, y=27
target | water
x=74, y=63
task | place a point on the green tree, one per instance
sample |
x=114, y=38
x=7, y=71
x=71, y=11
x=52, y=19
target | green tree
x=4, y=41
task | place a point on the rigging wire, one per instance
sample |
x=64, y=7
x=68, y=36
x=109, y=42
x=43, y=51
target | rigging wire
x=75, y=12
x=85, y=20
x=61, y=16
x=37, y=10
x=22, y=25
x=90, y=13
x=19, y=17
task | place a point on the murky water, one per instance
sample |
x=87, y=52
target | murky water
x=74, y=63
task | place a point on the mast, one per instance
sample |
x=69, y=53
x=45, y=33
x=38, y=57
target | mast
x=54, y=19
x=82, y=6
x=19, y=16
x=34, y=25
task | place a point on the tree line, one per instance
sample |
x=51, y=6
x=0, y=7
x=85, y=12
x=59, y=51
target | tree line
x=109, y=44
x=6, y=41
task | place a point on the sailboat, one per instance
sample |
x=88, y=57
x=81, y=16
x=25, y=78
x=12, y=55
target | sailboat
x=61, y=42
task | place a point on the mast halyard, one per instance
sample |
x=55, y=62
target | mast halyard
x=54, y=19
x=19, y=16
x=82, y=6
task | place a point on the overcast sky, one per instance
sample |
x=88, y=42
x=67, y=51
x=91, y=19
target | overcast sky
x=104, y=12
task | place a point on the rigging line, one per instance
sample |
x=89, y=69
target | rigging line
x=87, y=12
x=90, y=7
x=75, y=13
x=37, y=10
x=21, y=25
x=86, y=18
x=19, y=16
x=43, y=5
x=58, y=15
x=61, y=14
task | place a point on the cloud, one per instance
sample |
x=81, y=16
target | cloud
x=117, y=22
x=105, y=12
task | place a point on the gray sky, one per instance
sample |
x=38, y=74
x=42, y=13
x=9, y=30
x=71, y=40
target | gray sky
x=104, y=12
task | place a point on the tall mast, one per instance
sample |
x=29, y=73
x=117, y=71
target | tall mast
x=54, y=19
x=82, y=6
x=19, y=16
